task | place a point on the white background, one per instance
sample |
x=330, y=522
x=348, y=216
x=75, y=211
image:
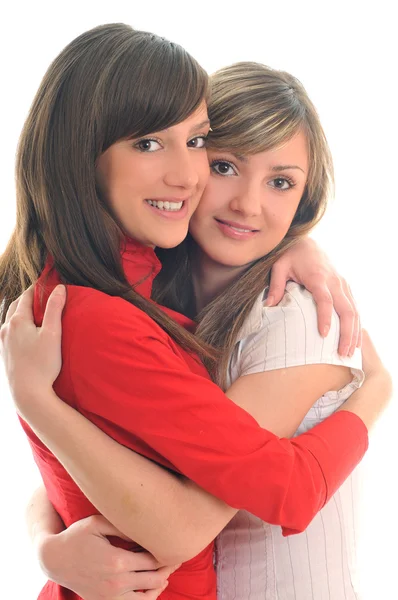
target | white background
x=345, y=54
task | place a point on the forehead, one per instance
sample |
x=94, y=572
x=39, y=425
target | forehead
x=199, y=118
x=295, y=148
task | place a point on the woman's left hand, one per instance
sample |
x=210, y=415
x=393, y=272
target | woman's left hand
x=32, y=355
x=306, y=264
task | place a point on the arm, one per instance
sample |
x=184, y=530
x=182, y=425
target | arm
x=109, y=572
x=182, y=540
x=264, y=464
x=307, y=264
x=285, y=365
x=289, y=394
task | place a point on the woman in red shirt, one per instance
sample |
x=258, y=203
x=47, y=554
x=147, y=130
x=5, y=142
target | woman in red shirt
x=91, y=177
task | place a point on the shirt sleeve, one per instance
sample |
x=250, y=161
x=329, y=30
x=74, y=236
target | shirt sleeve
x=289, y=337
x=133, y=382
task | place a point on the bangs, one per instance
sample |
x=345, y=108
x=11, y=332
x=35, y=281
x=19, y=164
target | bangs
x=157, y=87
x=254, y=120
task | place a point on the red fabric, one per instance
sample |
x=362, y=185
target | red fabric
x=126, y=375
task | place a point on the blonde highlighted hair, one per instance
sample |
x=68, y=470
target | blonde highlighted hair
x=252, y=108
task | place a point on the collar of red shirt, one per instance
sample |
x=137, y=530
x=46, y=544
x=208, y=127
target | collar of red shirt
x=140, y=265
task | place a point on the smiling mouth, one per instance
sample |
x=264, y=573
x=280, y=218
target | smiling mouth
x=238, y=229
x=166, y=205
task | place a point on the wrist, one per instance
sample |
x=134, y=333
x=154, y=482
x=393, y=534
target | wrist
x=47, y=547
x=35, y=404
x=369, y=402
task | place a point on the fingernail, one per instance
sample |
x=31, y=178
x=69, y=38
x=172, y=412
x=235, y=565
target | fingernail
x=326, y=330
x=165, y=585
x=344, y=351
x=269, y=301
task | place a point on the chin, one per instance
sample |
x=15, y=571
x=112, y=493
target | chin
x=229, y=261
x=170, y=241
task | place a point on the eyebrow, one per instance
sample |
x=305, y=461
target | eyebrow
x=240, y=157
x=285, y=167
x=201, y=125
x=276, y=168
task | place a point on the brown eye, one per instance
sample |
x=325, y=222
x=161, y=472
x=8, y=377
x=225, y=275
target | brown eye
x=222, y=167
x=148, y=145
x=197, y=142
x=281, y=183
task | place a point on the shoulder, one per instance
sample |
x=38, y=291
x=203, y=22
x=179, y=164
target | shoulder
x=296, y=313
x=297, y=303
x=297, y=309
x=287, y=335
x=92, y=313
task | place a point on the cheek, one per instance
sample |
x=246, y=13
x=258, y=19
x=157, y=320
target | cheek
x=215, y=197
x=277, y=224
x=204, y=171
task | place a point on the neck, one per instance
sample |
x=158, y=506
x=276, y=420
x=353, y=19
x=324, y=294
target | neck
x=210, y=278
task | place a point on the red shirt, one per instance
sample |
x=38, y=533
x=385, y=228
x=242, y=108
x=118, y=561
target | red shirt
x=126, y=375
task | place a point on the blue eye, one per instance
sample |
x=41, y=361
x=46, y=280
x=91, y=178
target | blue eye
x=222, y=167
x=148, y=145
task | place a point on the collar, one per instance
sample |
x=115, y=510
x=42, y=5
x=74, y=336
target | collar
x=140, y=265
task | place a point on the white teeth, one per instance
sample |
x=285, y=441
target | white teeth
x=170, y=206
x=240, y=230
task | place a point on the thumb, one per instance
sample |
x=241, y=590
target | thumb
x=54, y=308
x=98, y=524
x=279, y=276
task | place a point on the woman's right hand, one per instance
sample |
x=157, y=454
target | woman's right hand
x=82, y=559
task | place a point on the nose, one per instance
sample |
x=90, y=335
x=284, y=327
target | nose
x=247, y=201
x=182, y=169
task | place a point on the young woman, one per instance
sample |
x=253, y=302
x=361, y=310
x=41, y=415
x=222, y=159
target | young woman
x=127, y=366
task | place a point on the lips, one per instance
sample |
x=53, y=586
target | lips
x=241, y=227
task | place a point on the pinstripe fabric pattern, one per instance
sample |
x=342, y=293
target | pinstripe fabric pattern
x=254, y=561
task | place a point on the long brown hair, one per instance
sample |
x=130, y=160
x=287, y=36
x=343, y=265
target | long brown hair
x=252, y=108
x=110, y=83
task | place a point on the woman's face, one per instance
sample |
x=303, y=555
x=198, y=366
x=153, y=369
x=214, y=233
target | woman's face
x=250, y=202
x=153, y=184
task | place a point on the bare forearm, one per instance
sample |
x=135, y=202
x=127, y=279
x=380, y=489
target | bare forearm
x=41, y=516
x=364, y=402
x=169, y=516
x=44, y=523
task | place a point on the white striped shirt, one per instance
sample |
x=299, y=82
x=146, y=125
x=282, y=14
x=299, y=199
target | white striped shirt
x=253, y=560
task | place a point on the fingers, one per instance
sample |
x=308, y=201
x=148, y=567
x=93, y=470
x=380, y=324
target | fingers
x=97, y=524
x=279, y=276
x=149, y=595
x=148, y=580
x=11, y=310
x=153, y=582
x=53, y=312
x=348, y=315
x=356, y=334
x=24, y=307
x=142, y=561
x=324, y=307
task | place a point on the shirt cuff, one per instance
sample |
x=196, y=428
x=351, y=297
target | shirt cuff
x=338, y=444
